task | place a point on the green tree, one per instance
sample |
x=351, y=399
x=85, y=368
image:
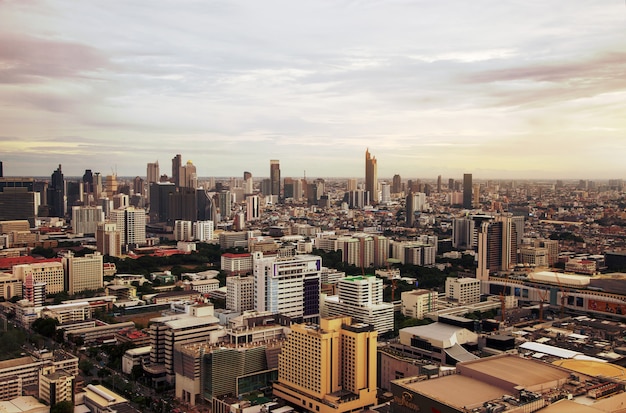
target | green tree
x=85, y=366
x=45, y=326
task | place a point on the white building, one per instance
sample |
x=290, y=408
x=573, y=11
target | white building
x=417, y=303
x=131, y=222
x=183, y=230
x=203, y=231
x=83, y=273
x=288, y=284
x=50, y=273
x=463, y=290
x=240, y=293
x=86, y=218
x=362, y=299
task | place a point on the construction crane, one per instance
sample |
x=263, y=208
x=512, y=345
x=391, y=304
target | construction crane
x=543, y=294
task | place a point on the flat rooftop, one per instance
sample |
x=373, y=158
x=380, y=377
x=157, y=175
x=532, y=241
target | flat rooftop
x=457, y=390
x=514, y=370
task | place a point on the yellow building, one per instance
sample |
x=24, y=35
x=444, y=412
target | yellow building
x=330, y=367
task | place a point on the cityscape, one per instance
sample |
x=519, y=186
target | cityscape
x=312, y=207
x=173, y=292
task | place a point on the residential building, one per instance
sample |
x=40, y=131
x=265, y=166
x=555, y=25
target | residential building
x=239, y=293
x=108, y=239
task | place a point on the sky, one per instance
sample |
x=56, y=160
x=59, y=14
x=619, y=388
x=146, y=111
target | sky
x=511, y=89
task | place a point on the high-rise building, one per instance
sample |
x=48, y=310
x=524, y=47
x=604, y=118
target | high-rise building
x=275, y=178
x=415, y=202
x=362, y=299
x=467, y=191
x=85, y=219
x=396, y=184
x=88, y=182
x=110, y=185
x=248, y=183
x=253, y=208
x=385, y=193
x=159, y=200
x=288, y=284
x=152, y=173
x=56, y=194
x=497, y=246
x=55, y=386
x=351, y=185
x=225, y=204
x=183, y=230
x=97, y=185
x=1, y=170
x=19, y=200
x=439, y=183
x=131, y=222
x=182, y=204
x=83, y=273
x=188, y=176
x=203, y=230
x=177, y=163
x=108, y=239
x=319, y=362
x=240, y=293
x=371, y=176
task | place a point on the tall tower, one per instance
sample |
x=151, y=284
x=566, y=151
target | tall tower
x=56, y=192
x=275, y=177
x=439, y=183
x=177, y=163
x=467, y=191
x=371, y=176
x=153, y=173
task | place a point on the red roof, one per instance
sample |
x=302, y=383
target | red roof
x=231, y=255
x=9, y=262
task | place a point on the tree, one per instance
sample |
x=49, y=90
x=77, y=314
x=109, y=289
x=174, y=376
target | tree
x=85, y=366
x=65, y=406
x=45, y=326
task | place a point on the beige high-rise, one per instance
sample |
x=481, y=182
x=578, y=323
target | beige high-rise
x=330, y=367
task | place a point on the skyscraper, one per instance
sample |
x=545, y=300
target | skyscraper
x=275, y=177
x=371, y=176
x=467, y=191
x=317, y=363
x=56, y=194
x=177, y=163
x=396, y=186
x=439, y=183
x=153, y=174
x=497, y=246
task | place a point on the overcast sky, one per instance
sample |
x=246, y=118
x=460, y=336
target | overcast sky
x=497, y=88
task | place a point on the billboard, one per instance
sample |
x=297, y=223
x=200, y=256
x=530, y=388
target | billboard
x=606, y=307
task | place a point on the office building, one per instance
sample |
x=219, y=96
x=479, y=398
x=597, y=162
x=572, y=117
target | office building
x=275, y=178
x=197, y=326
x=83, y=273
x=371, y=176
x=183, y=230
x=108, y=239
x=248, y=183
x=358, y=199
x=288, y=284
x=418, y=303
x=110, y=185
x=415, y=203
x=152, y=172
x=160, y=193
x=236, y=264
x=49, y=273
x=463, y=290
x=240, y=293
x=56, y=194
x=177, y=163
x=467, y=191
x=330, y=367
x=131, y=222
x=385, y=193
x=253, y=208
x=85, y=219
x=362, y=299
x=497, y=246
x=396, y=184
x=18, y=200
x=182, y=205
x=188, y=176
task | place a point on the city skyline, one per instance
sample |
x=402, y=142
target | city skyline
x=528, y=90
